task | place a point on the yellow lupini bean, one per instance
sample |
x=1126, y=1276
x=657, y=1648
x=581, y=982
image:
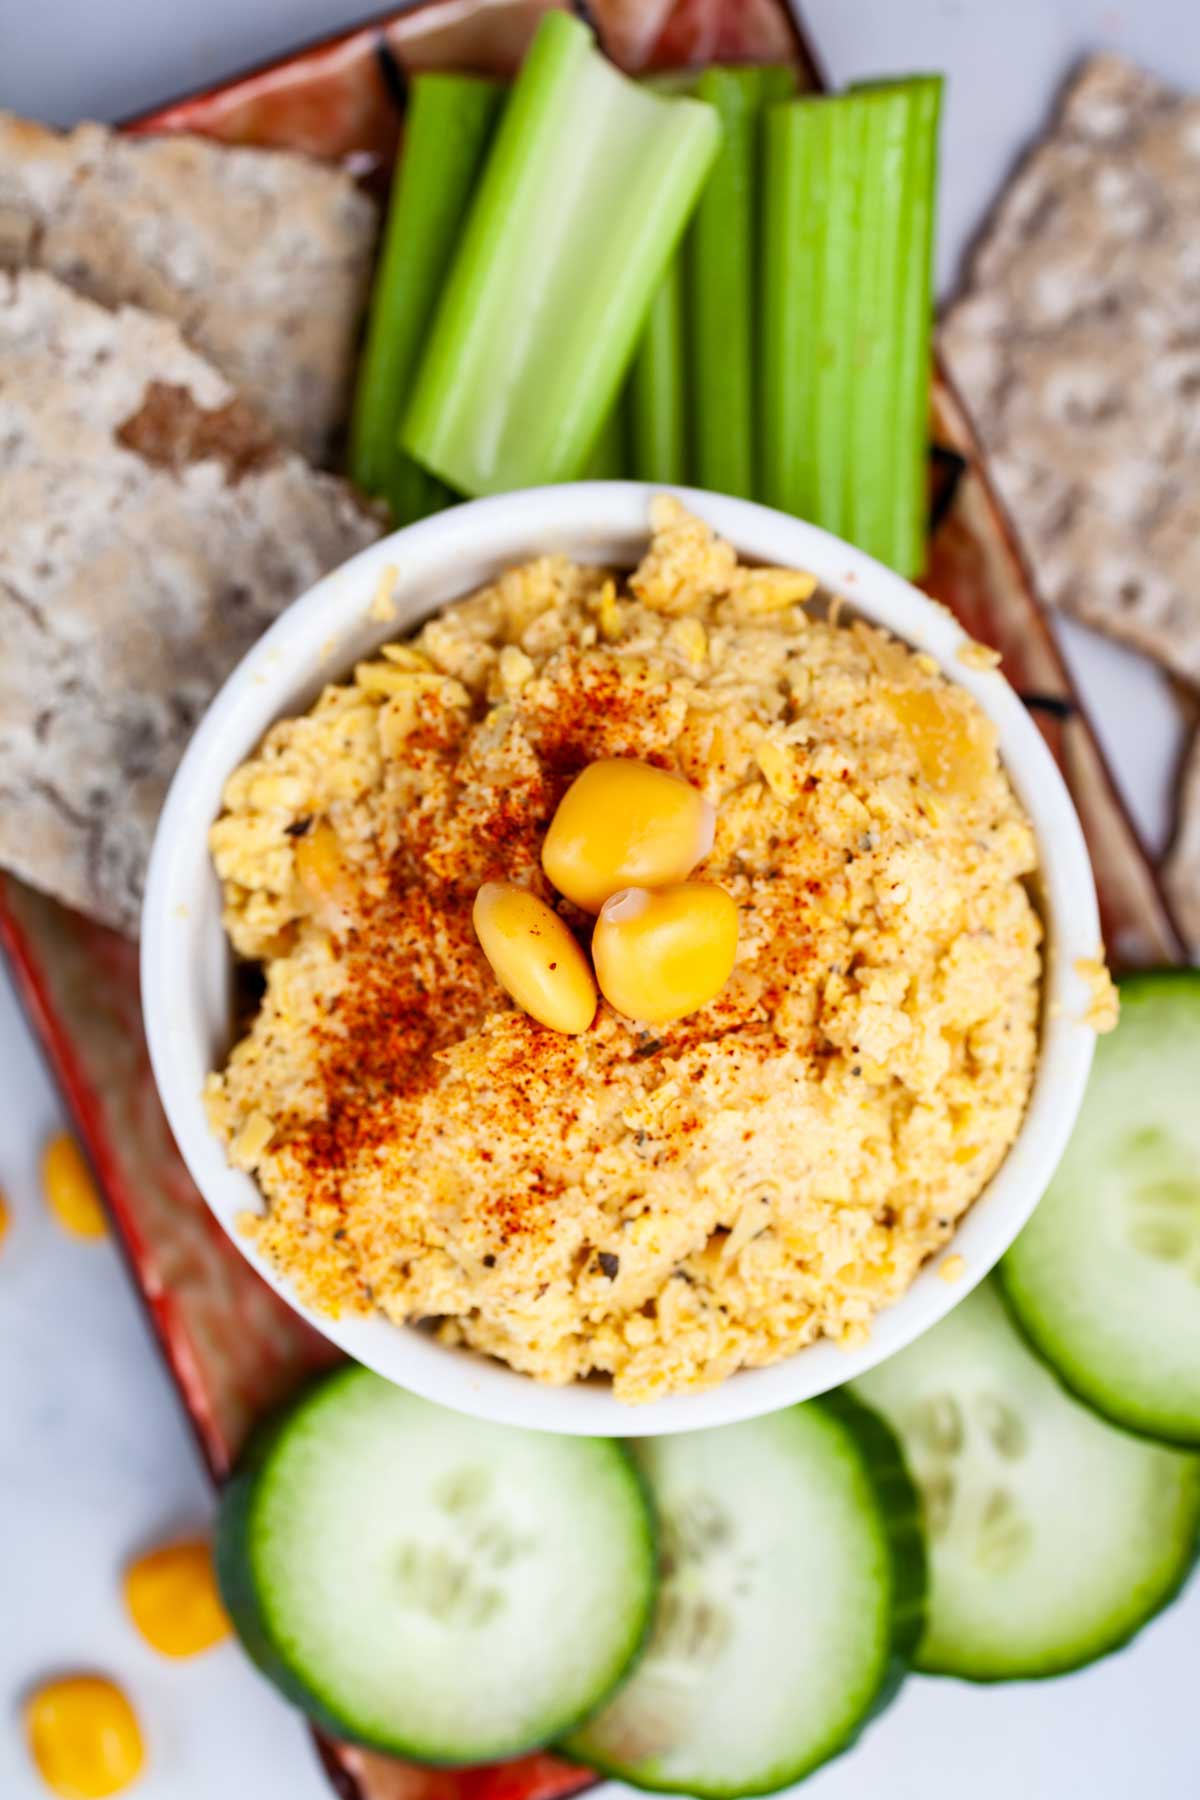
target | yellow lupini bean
x=84, y=1737
x=173, y=1600
x=69, y=1189
x=625, y=824
x=660, y=956
x=534, y=957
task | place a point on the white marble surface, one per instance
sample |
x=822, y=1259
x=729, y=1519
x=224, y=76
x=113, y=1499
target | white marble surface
x=94, y=1460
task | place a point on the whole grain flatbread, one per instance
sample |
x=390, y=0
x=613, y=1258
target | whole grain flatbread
x=1182, y=869
x=152, y=528
x=1077, y=348
x=261, y=257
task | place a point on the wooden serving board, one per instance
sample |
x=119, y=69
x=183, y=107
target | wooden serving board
x=232, y=1346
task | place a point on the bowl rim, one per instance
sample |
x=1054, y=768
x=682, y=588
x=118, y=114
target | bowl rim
x=185, y=961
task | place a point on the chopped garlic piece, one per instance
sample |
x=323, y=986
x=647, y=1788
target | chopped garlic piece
x=383, y=608
x=758, y=592
x=405, y=657
x=778, y=767
x=974, y=655
x=1105, y=1007
x=610, y=614
x=515, y=669
x=689, y=636
x=252, y=1140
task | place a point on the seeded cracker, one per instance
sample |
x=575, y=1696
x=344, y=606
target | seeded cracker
x=153, y=527
x=262, y=258
x=1077, y=347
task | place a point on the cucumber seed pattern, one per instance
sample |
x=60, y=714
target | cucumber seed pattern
x=704, y=1568
x=962, y=1454
x=452, y=1580
x=1164, y=1198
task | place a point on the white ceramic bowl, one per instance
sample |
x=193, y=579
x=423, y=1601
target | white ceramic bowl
x=186, y=963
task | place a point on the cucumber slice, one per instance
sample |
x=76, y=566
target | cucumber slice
x=1053, y=1537
x=793, y=1577
x=429, y=1585
x=1105, y=1278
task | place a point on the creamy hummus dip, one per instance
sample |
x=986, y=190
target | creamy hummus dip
x=665, y=1205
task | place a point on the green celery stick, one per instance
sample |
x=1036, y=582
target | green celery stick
x=657, y=409
x=722, y=259
x=910, y=518
x=586, y=193
x=450, y=121
x=846, y=313
x=609, y=457
x=794, y=202
x=844, y=172
x=883, y=255
x=656, y=391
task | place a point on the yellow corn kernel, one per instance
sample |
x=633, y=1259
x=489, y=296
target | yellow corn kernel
x=84, y=1737
x=534, y=957
x=953, y=1269
x=173, y=1599
x=323, y=873
x=69, y=1189
x=625, y=824
x=660, y=956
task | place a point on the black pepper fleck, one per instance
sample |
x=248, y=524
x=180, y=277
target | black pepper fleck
x=609, y=1264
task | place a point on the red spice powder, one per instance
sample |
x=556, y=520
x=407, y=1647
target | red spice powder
x=416, y=981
